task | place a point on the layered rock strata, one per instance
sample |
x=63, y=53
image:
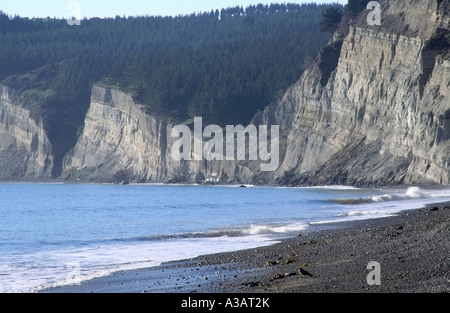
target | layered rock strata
x=25, y=150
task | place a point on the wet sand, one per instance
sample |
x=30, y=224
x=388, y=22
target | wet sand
x=412, y=249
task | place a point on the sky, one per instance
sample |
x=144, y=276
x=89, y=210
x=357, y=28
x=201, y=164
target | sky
x=111, y=8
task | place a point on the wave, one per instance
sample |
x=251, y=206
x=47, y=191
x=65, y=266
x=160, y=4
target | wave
x=238, y=231
x=356, y=215
x=273, y=229
x=230, y=232
x=411, y=193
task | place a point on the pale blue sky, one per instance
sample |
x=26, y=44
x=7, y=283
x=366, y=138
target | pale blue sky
x=111, y=8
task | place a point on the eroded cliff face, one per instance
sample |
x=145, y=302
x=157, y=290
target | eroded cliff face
x=120, y=143
x=382, y=115
x=25, y=150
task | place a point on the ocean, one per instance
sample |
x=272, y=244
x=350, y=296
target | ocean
x=53, y=234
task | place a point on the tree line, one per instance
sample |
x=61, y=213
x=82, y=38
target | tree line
x=256, y=55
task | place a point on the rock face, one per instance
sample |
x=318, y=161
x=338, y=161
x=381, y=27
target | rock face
x=382, y=116
x=373, y=109
x=120, y=143
x=25, y=150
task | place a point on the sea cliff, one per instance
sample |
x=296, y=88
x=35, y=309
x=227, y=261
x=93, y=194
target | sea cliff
x=372, y=109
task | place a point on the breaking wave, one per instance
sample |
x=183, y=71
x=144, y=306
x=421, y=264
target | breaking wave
x=238, y=231
x=411, y=193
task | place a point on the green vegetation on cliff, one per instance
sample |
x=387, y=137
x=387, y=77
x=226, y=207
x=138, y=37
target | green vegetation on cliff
x=222, y=65
x=243, y=60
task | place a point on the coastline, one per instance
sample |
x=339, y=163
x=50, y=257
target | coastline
x=411, y=247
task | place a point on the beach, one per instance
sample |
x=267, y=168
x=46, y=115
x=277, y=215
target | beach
x=410, y=251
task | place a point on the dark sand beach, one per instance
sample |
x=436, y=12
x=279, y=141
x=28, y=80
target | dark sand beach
x=412, y=249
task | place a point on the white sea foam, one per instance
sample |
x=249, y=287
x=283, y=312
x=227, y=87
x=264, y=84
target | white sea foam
x=356, y=215
x=50, y=269
x=416, y=193
x=411, y=193
x=274, y=229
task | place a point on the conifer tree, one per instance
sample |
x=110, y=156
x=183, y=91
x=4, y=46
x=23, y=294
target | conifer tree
x=331, y=18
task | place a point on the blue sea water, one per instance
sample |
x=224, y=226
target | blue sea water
x=56, y=234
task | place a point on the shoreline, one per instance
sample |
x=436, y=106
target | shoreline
x=411, y=247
